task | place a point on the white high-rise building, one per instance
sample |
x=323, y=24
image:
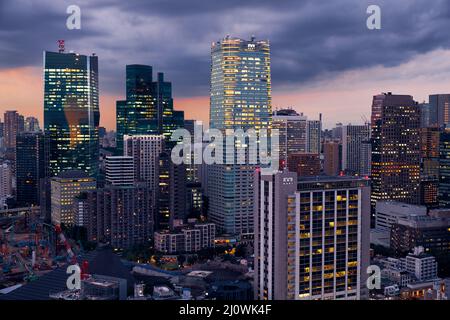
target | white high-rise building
x=240, y=99
x=145, y=150
x=311, y=237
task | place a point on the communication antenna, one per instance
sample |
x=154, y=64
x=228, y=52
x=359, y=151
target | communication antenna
x=61, y=46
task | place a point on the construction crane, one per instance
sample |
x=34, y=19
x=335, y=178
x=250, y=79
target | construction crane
x=73, y=258
x=62, y=238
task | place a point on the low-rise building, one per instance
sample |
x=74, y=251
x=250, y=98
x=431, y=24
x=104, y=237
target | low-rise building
x=191, y=237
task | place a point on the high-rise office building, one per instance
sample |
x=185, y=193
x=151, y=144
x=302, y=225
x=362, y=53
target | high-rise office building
x=30, y=167
x=311, y=237
x=119, y=170
x=6, y=182
x=71, y=112
x=354, y=159
x=366, y=157
x=429, y=151
x=292, y=131
x=429, y=166
x=439, y=110
x=444, y=168
x=193, y=170
x=148, y=108
x=145, y=150
x=240, y=99
x=171, y=194
x=395, y=148
x=427, y=117
x=13, y=125
x=304, y=164
x=64, y=188
x=137, y=114
x=194, y=199
x=240, y=84
x=117, y=215
x=314, y=136
x=332, y=157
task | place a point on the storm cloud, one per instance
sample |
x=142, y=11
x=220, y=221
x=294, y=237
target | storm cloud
x=310, y=40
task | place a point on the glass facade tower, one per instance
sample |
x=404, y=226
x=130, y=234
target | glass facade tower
x=71, y=112
x=148, y=108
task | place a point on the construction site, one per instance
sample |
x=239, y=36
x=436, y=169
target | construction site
x=29, y=247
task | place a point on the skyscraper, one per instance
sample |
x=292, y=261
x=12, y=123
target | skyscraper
x=145, y=150
x=314, y=135
x=444, y=168
x=13, y=125
x=427, y=115
x=311, y=237
x=439, y=110
x=71, y=112
x=292, y=130
x=240, y=84
x=172, y=192
x=148, y=108
x=6, y=182
x=429, y=166
x=353, y=159
x=395, y=148
x=240, y=99
x=30, y=167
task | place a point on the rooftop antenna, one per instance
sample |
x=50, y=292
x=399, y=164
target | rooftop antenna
x=61, y=46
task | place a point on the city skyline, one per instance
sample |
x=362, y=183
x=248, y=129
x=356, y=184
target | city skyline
x=259, y=151
x=307, y=74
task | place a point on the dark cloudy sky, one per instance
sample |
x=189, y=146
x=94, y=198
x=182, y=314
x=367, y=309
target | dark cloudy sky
x=324, y=59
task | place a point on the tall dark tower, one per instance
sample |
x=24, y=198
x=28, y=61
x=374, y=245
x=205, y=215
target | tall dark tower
x=395, y=148
x=30, y=167
x=148, y=108
x=444, y=168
